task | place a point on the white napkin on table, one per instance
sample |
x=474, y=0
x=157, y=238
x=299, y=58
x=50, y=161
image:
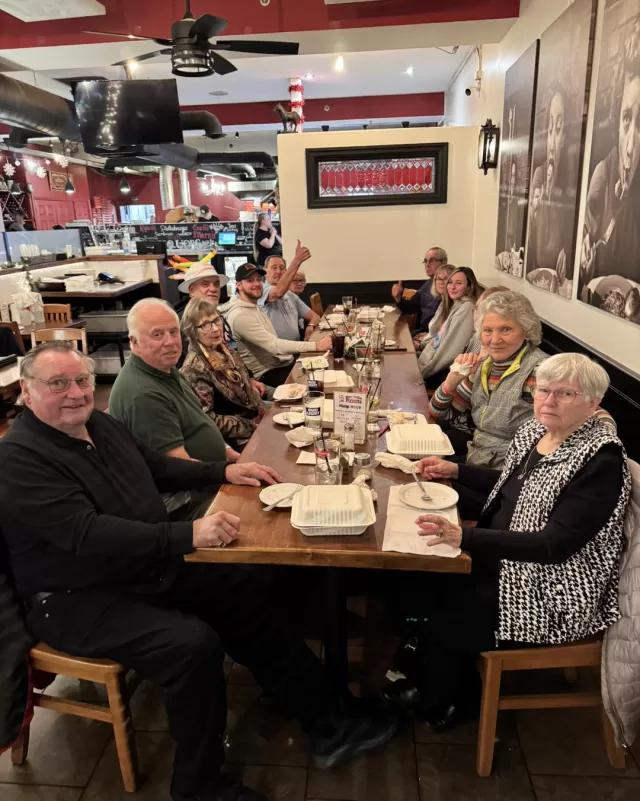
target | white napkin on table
x=396, y=461
x=310, y=458
x=338, y=308
x=300, y=437
x=401, y=532
x=387, y=309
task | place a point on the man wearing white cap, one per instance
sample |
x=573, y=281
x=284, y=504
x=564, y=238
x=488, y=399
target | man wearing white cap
x=203, y=281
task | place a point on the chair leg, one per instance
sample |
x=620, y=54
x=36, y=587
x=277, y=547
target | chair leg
x=491, y=676
x=20, y=748
x=123, y=731
x=615, y=753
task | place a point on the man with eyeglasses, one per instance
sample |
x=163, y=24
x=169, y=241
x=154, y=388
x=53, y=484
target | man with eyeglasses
x=100, y=570
x=424, y=303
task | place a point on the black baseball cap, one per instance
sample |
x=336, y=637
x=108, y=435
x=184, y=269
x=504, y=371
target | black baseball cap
x=247, y=270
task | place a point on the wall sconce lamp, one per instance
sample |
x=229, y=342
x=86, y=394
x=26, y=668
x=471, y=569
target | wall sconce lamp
x=488, y=146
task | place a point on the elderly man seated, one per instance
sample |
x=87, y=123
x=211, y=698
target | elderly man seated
x=158, y=406
x=101, y=572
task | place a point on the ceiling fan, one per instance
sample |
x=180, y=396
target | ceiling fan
x=193, y=55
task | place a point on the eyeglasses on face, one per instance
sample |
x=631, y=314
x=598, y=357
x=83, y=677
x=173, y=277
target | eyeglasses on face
x=208, y=325
x=59, y=385
x=562, y=396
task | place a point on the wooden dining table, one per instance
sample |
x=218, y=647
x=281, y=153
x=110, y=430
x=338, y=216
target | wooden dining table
x=269, y=538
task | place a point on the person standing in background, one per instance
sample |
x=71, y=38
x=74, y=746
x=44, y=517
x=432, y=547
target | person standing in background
x=205, y=214
x=266, y=240
x=423, y=303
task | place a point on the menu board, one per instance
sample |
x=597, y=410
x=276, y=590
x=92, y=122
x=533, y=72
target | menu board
x=350, y=407
x=192, y=238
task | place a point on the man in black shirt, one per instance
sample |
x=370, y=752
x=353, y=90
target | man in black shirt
x=101, y=571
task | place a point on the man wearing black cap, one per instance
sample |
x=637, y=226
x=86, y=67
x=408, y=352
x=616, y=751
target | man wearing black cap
x=268, y=358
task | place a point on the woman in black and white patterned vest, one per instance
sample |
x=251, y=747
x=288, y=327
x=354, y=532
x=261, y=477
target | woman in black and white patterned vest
x=547, y=546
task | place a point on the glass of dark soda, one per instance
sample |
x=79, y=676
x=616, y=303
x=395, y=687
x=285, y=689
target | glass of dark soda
x=337, y=345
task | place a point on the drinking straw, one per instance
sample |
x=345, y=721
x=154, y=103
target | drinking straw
x=324, y=448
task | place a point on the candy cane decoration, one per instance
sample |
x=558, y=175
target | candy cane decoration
x=296, y=100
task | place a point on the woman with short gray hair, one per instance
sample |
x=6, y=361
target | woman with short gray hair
x=547, y=545
x=218, y=376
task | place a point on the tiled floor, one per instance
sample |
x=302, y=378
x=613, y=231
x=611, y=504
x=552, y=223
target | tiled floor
x=540, y=756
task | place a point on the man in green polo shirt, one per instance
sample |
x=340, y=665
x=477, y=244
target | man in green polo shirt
x=154, y=401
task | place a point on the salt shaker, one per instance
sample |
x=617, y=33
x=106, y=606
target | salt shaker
x=362, y=466
x=349, y=437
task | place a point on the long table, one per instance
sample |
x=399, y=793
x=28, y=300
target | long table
x=269, y=538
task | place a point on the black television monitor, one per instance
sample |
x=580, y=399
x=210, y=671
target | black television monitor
x=115, y=114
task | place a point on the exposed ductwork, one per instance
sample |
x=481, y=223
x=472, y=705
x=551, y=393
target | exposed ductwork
x=185, y=189
x=25, y=106
x=255, y=159
x=201, y=120
x=167, y=198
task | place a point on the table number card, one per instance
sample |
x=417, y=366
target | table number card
x=351, y=407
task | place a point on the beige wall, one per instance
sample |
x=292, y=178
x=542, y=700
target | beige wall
x=381, y=243
x=615, y=338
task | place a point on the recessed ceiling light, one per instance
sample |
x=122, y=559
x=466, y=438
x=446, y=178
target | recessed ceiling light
x=308, y=77
x=339, y=65
x=409, y=71
x=132, y=65
x=219, y=93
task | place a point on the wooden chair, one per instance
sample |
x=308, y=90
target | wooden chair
x=75, y=335
x=15, y=330
x=57, y=312
x=117, y=713
x=569, y=657
x=316, y=304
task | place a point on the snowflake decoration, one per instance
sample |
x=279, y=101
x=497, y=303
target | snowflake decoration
x=60, y=160
x=9, y=170
x=41, y=172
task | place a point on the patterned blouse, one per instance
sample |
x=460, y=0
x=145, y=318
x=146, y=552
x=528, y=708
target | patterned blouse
x=223, y=384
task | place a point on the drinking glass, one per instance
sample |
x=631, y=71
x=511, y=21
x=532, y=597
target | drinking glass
x=337, y=345
x=327, y=468
x=347, y=303
x=315, y=380
x=313, y=407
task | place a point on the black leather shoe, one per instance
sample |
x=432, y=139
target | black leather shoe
x=441, y=718
x=401, y=693
x=341, y=736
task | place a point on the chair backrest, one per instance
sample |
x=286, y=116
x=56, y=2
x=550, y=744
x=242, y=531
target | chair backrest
x=75, y=335
x=316, y=304
x=57, y=312
x=15, y=330
x=408, y=293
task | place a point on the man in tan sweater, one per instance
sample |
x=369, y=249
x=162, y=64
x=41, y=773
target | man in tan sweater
x=268, y=358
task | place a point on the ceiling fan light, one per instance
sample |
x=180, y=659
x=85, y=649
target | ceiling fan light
x=191, y=61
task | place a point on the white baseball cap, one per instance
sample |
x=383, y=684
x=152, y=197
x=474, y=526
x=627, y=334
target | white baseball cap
x=198, y=271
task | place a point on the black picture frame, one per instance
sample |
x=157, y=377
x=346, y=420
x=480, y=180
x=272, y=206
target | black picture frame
x=438, y=151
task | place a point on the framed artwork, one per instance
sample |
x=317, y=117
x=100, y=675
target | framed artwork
x=515, y=161
x=57, y=181
x=377, y=176
x=610, y=242
x=562, y=95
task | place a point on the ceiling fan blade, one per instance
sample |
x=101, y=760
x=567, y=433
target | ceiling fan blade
x=208, y=26
x=221, y=65
x=130, y=36
x=267, y=48
x=144, y=57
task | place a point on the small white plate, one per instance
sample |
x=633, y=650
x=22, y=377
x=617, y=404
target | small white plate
x=289, y=392
x=271, y=494
x=284, y=418
x=443, y=496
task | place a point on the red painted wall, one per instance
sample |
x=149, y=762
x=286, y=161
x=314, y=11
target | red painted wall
x=154, y=18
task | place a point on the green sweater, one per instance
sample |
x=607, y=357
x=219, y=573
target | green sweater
x=161, y=410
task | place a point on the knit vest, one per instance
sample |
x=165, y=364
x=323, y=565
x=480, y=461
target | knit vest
x=576, y=599
x=498, y=416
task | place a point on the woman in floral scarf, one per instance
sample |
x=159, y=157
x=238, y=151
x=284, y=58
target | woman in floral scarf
x=218, y=376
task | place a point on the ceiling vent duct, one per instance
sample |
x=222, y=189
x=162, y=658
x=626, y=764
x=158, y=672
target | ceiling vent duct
x=202, y=120
x=167, y=198
x=25, y=106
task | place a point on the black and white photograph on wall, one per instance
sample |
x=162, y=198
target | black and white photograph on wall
x=515, y=161
x=610, y=246
x=564, y=75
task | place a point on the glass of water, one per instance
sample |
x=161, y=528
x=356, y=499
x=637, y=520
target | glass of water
x=327, y=452
x=313, y=402
x=347, y=303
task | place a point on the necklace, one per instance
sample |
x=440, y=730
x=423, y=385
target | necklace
x=523, y=472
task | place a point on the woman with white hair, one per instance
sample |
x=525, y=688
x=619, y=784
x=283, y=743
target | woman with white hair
x=547, y=545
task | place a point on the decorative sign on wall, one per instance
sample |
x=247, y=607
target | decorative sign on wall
x=515, y=161
x=566, y=50
x=610, y=241
x=376, y=176
x=57, y=181
x=192, y=238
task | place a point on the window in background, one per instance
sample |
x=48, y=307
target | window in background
x=138, y=215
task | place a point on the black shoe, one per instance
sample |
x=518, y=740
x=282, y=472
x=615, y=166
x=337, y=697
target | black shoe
x=343, y=735
x=401, y=693
x=226, y=790
x=441, y=717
